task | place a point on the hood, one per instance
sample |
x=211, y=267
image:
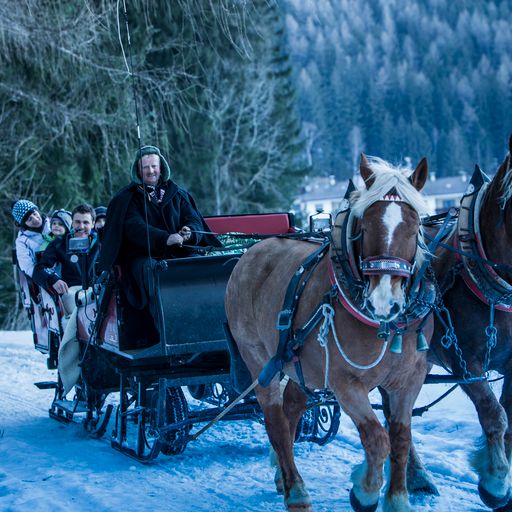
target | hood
x=150, y=150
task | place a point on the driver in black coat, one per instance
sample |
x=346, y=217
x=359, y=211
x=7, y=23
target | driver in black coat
x=151, y=217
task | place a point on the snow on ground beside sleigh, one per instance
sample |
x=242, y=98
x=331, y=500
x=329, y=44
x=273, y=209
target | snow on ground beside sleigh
x=47, y=466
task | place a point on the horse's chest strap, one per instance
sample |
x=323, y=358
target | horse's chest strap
x=287, y=346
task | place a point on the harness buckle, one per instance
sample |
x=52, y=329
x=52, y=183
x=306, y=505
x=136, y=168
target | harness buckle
x=284, y=320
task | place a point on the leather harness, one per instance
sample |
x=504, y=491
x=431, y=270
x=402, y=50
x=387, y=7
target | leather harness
x=347, y=285
x=479, y=276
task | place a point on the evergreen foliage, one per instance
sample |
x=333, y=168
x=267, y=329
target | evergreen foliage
x=207, y=90
x=411, y=78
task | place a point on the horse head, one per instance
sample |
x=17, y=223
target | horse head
x=496, y=213
x=389, y=212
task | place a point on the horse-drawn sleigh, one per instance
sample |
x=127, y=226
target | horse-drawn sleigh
x=346, y=310
x=149, y=363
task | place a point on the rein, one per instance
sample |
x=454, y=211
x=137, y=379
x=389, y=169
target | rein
x=474, y=257
x=310, y=236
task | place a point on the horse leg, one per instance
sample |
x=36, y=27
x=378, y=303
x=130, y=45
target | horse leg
x=418, y=478
x=296, y=497
x=506, y=402
x=400, y=404
x=367, y=478
x=490, y=460
x=294, y=405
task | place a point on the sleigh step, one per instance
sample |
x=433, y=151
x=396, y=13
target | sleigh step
x=70, y=406
x=47, y=384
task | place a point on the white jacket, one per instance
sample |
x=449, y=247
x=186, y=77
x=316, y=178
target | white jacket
x=27, y=244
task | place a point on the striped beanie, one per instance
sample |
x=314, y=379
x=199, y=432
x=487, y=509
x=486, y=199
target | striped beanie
x=21, y=210
x=64, y=217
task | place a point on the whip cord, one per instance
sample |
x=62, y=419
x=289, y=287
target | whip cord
x=129, y=66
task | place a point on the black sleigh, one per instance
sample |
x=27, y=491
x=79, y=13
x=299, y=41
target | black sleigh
x=170, y=371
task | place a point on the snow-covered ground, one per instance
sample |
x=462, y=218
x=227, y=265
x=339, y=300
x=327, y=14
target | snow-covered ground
x=46, y=466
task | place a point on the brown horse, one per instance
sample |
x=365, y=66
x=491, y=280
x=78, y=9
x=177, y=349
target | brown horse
x=349, y=358
x=486, y=213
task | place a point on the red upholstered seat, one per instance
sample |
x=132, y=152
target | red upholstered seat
x=262, y=223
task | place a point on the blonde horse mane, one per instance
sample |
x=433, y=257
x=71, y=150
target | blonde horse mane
x=506, y=185
x=386, y=178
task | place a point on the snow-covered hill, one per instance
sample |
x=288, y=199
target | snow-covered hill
x=49, y=467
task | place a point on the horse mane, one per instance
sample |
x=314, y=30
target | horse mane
x=391, y=178
x=506, y=185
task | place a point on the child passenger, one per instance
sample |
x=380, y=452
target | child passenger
x=60, y=225
x=60, y=222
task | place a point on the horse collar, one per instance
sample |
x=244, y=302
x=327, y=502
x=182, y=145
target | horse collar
x=480, y=278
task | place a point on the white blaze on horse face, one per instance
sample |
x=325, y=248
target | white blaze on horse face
x=386, y=295
x=387, y=298
x=392, y=218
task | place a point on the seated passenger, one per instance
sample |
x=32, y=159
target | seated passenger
x=172, y=219
x=34, y=227
x=101, y=215
x=58, y=269
x=60, y=224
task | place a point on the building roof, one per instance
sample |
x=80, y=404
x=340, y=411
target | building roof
x=446, y=185
x=319, y=188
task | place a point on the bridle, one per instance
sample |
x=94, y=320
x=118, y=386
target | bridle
x=387, y=265
x=381, y=265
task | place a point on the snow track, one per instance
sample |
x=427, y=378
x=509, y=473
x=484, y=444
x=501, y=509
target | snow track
x=46, y=466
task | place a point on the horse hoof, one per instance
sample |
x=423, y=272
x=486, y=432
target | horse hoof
x=427, y=488
x=279, y=486
x=358, y=506
x=506, y=508
x=419, y=482
x=491, y=501
x=298, y=499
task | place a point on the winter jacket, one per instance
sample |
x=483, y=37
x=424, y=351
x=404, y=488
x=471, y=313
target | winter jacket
x=125, y=235
x=28, y=244
x=56, y=264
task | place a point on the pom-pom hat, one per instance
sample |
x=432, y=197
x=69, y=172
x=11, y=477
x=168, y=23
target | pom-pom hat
x=22, y=209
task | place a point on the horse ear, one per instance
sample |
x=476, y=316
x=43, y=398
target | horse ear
x=419, y=177
x=366, y=171
x=350, y=188
x=478, y=178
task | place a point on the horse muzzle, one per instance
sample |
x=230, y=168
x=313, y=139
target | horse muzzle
x=384, y=303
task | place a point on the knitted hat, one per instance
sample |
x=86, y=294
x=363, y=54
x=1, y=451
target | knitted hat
x=150, y=150
x=101, y=211
x=63, y=216
x=21, y=210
